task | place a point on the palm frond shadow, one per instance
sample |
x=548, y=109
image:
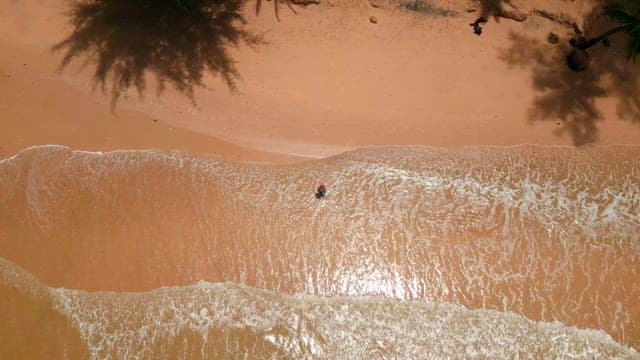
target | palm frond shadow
x=570, y=98
x=564, y=96
x=177, y=41
x=624, y=73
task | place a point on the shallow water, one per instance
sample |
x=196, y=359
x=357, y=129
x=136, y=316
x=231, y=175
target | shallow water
x=549, y=233
x=227, y=320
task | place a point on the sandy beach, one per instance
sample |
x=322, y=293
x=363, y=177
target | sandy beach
x=326, y=80
x=471, y=171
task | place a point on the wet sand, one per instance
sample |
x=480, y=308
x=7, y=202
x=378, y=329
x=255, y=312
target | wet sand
x=77, y=119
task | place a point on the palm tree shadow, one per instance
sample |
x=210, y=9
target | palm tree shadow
x=570, y=98
x=564, y=96
x=178, y=41
x=626, y=77
x=628, y=87
x=612, y=61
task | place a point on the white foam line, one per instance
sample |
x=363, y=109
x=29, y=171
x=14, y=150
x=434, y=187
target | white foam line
x=338, y=150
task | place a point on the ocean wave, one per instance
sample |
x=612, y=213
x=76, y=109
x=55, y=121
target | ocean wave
x=550, y=233
x=230, y=320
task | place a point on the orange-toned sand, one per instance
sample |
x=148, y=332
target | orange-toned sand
x=327, y=80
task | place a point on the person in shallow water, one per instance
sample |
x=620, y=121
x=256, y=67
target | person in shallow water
x=477, y=25
x=321, y=191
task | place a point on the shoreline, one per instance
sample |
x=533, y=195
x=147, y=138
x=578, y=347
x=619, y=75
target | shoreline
x=295, y=159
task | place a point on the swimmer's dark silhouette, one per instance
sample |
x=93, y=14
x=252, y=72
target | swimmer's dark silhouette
x=476, y=25
x=322, y=190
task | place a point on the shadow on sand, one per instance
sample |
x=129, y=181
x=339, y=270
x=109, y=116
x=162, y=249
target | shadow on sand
x=178, y=41
x=500, y=9
x=426, y=7
x=569, y=98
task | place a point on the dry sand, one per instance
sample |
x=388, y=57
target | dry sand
x=328, y=80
